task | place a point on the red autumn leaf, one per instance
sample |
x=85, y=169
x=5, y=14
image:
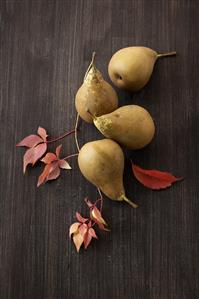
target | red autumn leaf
x=64, y=164
x=55, y=173
x=83, y=228
x=74, y=228
x=80, y=218
x=33, y=140
x=30, y=141
x=92, y=233
x=154, y=179
x=49, y=158
x=51, y=172
x=42, y=132
x=32, y=155
x=87, y=239
x=58, y=150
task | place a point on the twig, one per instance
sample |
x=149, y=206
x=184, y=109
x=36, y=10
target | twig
x=70, y=156
x=76, y=127
x=61, y=137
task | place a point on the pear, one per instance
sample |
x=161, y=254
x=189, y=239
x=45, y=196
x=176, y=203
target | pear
x=131, y=68
x=95, y=94
x=102, y=164
x=130, y=125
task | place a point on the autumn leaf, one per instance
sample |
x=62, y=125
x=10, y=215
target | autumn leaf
x=42, y=132
x=89, y=234
x=37, y=147
x=74, y=228
x=78, y=240
x=64, y=164
x=80, y=218
x=33, y=140
x=154, y=179
x=49, y=158
x=32, y=155
x=30, y=141
x=96, y=216
x=52, y=169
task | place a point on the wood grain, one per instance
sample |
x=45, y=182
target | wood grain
x=151, y=253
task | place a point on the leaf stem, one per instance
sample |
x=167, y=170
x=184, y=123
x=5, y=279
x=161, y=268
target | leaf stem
x=101, y=199
x=166, y=54
x=70, y=156
x=93, y=116
x=60, y=137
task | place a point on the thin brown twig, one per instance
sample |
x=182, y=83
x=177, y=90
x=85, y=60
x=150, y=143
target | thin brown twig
x=61, y=137
x=76, y=127
x=100, y=199
x=70, y=156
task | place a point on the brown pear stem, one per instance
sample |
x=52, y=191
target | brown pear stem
x=90, y=65
x=76, y=127
x=93, y=116
x=123, y=197
x=167, y=54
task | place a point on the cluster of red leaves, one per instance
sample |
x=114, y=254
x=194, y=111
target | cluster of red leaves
x=37, y=146
x=82, y=231
x=154, y=179
x=53, y=164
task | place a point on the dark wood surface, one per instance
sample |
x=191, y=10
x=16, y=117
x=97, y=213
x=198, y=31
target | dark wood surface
x=151, y=252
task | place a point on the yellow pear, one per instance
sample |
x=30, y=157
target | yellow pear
x=95, y=95
x=102, y=164
x=130, y=125
x=131, y=68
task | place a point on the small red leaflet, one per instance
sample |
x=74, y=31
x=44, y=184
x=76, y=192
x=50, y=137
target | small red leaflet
x=37, y=147
x=52, y=169
x=154, y=179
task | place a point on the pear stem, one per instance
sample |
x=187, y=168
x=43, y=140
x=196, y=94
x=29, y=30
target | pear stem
x=90, y=65
x=76, y=128
x=93, y=116
x=123, y=197
x=167, y=54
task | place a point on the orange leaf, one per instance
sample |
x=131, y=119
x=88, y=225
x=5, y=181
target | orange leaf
x=78, y=240
x=74, y=228
x=96, y=216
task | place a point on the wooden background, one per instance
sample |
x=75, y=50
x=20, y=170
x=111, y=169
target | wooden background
x=151, y=252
